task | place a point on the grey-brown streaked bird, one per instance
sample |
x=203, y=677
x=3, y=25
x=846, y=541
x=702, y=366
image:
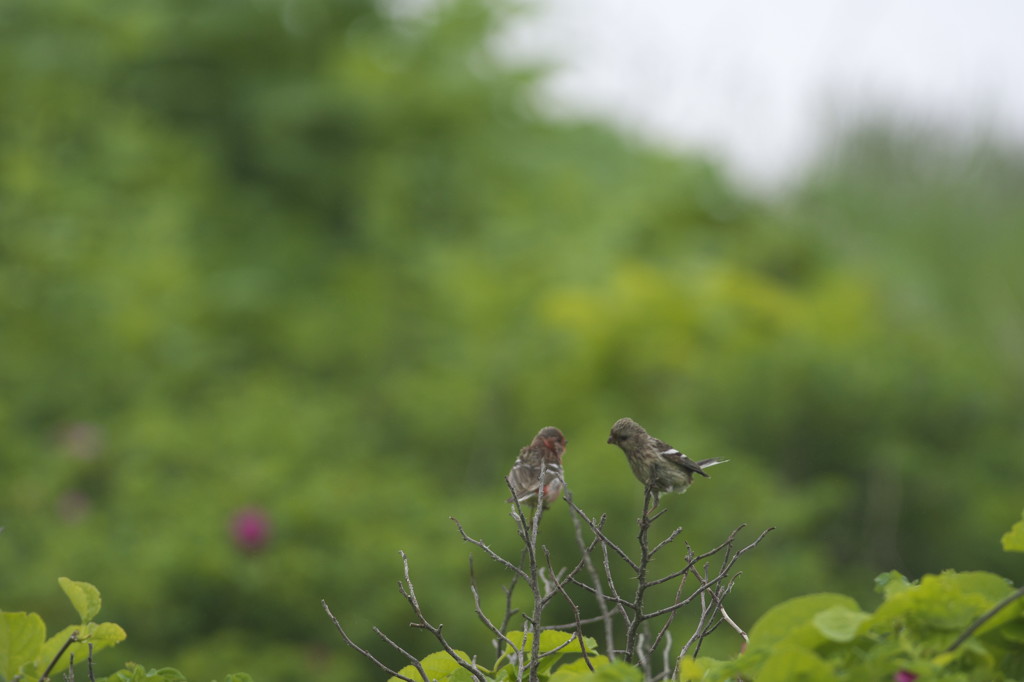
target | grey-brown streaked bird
x=654, y=462
x=538, y=469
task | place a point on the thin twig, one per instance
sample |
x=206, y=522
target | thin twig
x=602, y=606
x=1012, y=597
x=409, y=592
x=614, y=599
x=698, y=632
x=683, y=602
x=534, y=582
x=509, y=611
x=620, y=603
x=644, y=523
x=694, y=560
x=665, y=666
x=733, y=625
x=480, y=612
x=604, y=538
x=706, y=597
x=583, y=621
x=555, y=650
x=366, y=654
x=72, y=638
x=672, y=616
x=672, y=536
x=412, y=659
x=576, y=613
x=490, y=552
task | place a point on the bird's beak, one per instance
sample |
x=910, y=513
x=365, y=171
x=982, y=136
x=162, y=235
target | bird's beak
x=611, y=441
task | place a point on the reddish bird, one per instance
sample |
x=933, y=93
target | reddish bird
x=539, y=468
x=655, y=463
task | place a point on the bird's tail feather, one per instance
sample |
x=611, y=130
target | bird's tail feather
x=705, y=463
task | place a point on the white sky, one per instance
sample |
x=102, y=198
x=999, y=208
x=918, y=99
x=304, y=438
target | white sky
x=759, y=85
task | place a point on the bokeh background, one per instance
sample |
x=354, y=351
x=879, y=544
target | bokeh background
x=284, y=284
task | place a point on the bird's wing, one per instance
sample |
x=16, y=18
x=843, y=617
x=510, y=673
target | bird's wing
x=672, y=455
x=525, y=475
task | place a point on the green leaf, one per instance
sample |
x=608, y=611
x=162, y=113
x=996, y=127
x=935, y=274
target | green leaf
x=439, y=666
x=891, y=583
x=550, y=640
x=238, y=677
x=1013, y=539
x=792, y=619
x=977, y=655
x=101, y=635
x=793, y=664
x=839, y=623
x=946, y=603
x=577, y=671
x=506, y=672
x=133, y=672
x=1014, y=632
x=694, y=669
x=84, y=597
x=165, y=675
x=21, y=636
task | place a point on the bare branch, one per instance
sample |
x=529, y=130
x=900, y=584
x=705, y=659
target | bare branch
x=409, y=592
x=680, y=604
x=604, y=538
x=583, y=621
x=672, y=536
x=366, y=654
x=490, y=552
x=576, y=613
x=598, y=591
x=546, y=584
x=620, y=603
x=550, y=652
x=633, y=629
x=72, y=638
x=664, y=631
x=509, y=611
x=1012, y=597
x=733, y=625
x=699, y=631
x=694, y=560
x=412, y=659
x=480, y=612
x=614, y=599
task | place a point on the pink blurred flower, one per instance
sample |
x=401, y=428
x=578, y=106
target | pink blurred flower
x=904, y=676
x=250, y=529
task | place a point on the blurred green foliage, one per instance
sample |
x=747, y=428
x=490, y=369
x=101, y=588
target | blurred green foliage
x=27, y=654
x=324, y=264
x=953, y=626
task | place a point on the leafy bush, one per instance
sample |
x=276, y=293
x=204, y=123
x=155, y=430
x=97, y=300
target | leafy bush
x=27, y=654
x=955, y=626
